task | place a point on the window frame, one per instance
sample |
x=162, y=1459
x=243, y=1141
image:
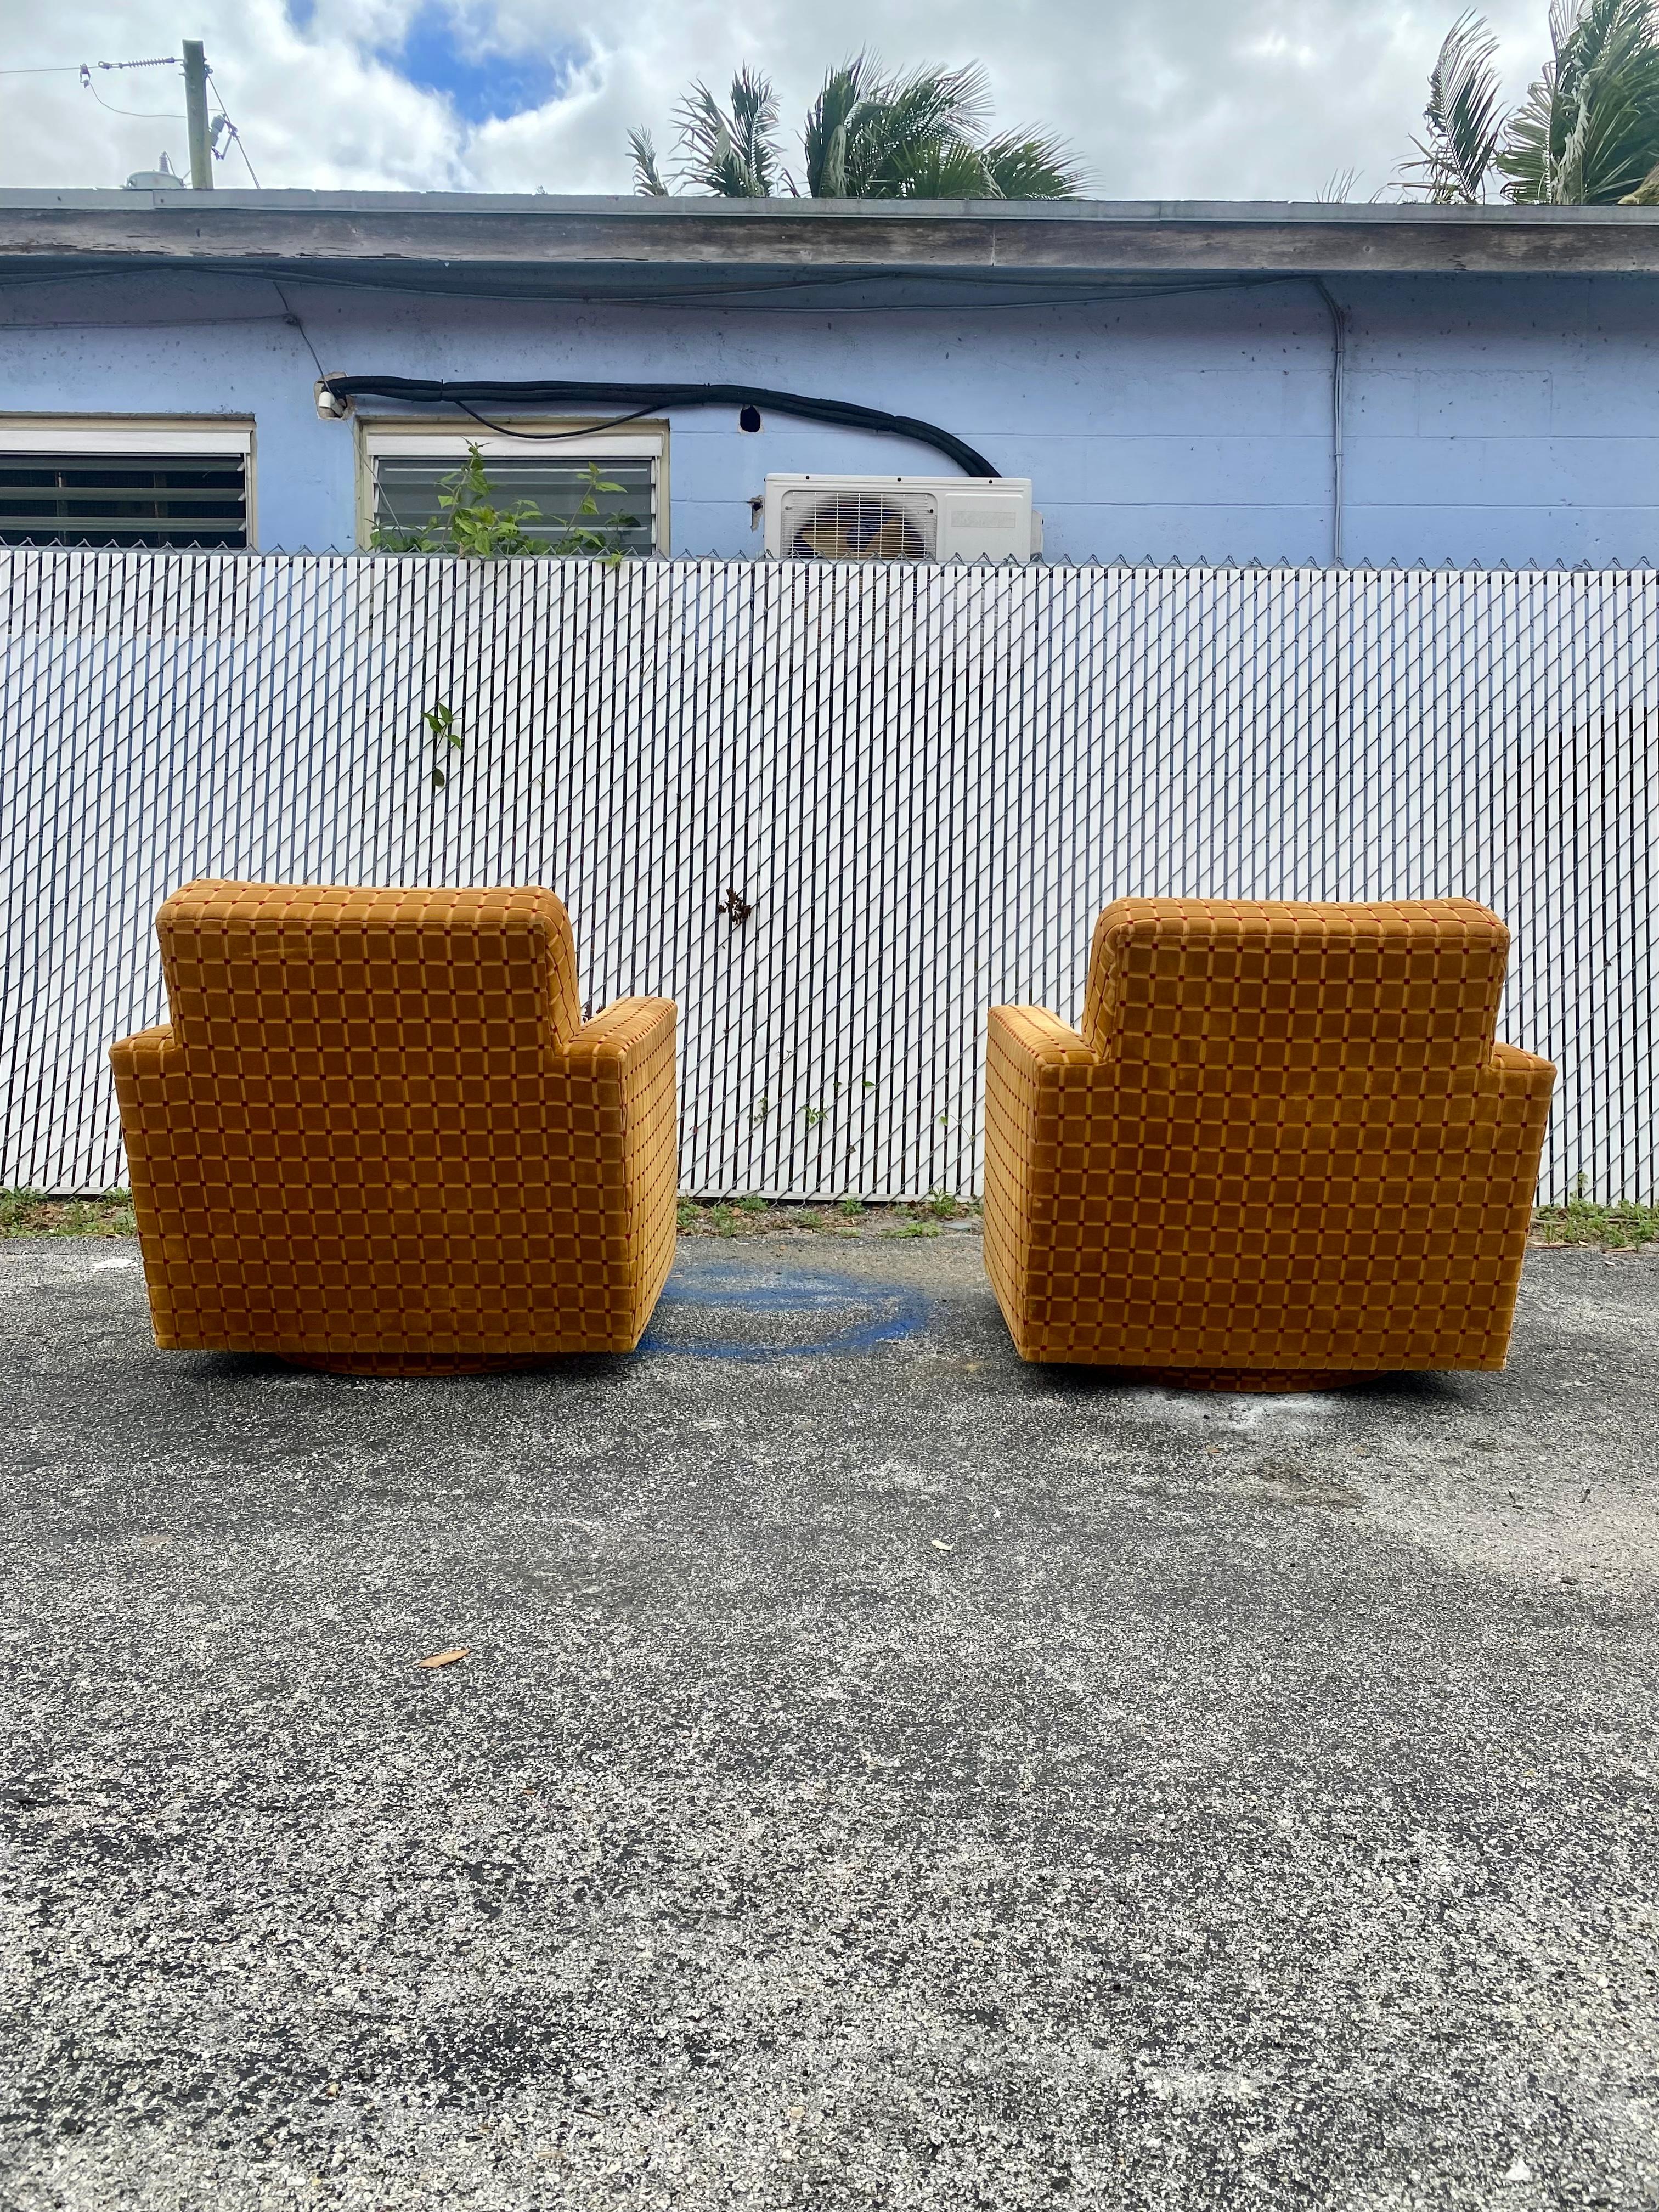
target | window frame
x=118, y=435
x=443, y=436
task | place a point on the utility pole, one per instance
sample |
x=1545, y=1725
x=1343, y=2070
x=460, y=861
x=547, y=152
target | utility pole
x=201, y=146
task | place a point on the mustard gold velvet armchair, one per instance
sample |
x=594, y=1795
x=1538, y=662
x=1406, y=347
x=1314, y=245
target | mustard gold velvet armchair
x=377, y=1136
x=1285, y=1148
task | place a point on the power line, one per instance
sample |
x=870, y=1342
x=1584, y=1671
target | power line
x=84, y=70
x=80, y=69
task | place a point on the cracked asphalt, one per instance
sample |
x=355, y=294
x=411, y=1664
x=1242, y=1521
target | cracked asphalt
x=881, y=1774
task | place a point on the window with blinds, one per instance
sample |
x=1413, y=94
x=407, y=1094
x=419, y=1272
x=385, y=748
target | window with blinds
x=189, y=501
x=408, y=488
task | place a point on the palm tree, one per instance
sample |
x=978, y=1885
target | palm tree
x=732, y=153
x=867, y=136
x=1587, y=133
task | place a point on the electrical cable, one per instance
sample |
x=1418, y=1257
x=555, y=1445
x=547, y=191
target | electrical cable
x=701, y=296
x=153, y=323
x=137, y=114
x=717, y=302
x=289, y=316
x=707, y=295
x=550, y=437
x=651, y=398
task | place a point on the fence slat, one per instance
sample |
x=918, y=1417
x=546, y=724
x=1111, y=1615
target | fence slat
x=924, y=782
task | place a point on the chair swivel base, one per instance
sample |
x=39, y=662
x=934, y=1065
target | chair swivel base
x=410, y=1363
x=1257, y=1379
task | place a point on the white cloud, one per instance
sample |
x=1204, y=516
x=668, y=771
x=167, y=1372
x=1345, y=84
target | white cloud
x=314, y=108
x=1163, y=99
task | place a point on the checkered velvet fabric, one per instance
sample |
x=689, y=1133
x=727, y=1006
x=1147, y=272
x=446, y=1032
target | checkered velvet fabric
x=1283, y=1147
x=378, y=1136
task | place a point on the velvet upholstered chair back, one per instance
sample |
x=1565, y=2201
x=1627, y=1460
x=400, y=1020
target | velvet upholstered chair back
x=1269, y=996
x=281, y=979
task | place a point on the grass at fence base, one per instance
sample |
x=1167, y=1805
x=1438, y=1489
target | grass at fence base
x=1613, y=1228
x=848, y=1216
x=30, y=1214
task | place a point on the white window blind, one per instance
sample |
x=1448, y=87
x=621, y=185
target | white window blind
x=153, y=494
x=409, y=477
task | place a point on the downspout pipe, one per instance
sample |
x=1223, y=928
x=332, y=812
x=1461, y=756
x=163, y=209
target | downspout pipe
x=1339, y=316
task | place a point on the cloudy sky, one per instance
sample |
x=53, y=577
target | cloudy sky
x=1223, y=99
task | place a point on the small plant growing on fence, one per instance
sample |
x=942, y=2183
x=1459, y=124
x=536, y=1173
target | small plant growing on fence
x=441, y=724
x=472, y=523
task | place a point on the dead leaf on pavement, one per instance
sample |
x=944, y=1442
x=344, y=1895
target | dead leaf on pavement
x=444, y=1658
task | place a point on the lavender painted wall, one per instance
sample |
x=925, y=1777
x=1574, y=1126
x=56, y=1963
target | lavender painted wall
x=1488, y=420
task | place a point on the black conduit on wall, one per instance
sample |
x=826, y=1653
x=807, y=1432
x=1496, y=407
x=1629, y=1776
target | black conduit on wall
x=471, y=394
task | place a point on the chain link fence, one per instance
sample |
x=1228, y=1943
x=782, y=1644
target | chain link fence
x=834, y=810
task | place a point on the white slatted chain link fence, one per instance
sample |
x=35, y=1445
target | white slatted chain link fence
x=834, y=810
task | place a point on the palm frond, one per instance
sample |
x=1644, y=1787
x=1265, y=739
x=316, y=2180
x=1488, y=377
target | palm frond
x=942, y=169
x=910, y=122
x=1023, y=166
x=1464, y=119
x=937, y=103
x=825, y=134
x=648, y=178
x=731, y=155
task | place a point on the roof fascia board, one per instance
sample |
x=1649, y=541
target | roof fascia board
x=1079, y=239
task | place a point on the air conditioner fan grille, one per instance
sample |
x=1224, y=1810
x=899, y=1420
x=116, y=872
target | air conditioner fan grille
x=857, y=527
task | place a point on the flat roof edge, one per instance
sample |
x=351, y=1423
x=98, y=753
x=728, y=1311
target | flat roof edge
x=258, y=230
x=646, y=209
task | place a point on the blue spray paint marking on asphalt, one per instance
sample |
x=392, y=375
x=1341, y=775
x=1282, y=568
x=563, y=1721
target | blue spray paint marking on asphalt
x=880, y=1316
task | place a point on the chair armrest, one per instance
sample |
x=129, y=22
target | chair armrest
x=1040, y=1082
x=621, y=1037
x=1036, y=1071
x=1518, y=1088
x=150, y=1089
x=146, y=1052
x=617, y=1074
x=141, y=1065
x=1037, y=1041
x=1522, y=1071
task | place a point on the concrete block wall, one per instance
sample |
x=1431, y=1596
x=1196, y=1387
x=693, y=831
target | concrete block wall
x=1487, y=420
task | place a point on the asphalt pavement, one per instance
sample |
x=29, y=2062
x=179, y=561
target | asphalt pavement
x=880, y=1774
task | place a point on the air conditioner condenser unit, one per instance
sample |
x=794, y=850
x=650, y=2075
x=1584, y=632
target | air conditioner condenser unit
x=900, y=518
